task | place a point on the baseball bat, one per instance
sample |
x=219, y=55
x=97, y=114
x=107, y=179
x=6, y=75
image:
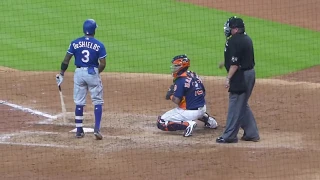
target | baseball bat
x=63, y=106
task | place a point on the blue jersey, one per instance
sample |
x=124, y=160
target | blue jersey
x=190, y=86
x=87, y=51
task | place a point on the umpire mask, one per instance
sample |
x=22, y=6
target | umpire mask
x=233, y=22
x=227, y=29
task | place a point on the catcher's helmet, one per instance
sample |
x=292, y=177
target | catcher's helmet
x=179, y=65
x=89, y=27
x=233, y=22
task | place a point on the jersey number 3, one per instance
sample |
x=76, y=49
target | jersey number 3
x=86, y=55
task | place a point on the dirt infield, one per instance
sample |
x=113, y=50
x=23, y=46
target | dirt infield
x=40, y=146
x=34, y=146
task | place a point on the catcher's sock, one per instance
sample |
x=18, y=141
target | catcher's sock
x=79, y=118
x=97, y=115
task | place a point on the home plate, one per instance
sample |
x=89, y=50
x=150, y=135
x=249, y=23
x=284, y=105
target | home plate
x=86, y=130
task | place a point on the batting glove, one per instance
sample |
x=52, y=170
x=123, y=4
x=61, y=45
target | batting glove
x=59, y=79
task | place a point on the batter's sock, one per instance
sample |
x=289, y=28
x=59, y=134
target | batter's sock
x=79, y=117
x=97, y=115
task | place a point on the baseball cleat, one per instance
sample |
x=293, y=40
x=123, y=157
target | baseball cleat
x=188, y=131
x=222, y=140
x=212, y=123
x=250, y=139
x=79, y=134
x=98, y=135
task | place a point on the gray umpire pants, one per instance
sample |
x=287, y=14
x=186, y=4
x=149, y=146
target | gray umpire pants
x=239, y=112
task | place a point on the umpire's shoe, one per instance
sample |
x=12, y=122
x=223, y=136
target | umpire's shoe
x=222, y=140
x=188, y=131
x=243, y=138
x=98, y=135
x=80, y=134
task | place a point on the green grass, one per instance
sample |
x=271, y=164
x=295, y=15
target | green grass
x=143, y=36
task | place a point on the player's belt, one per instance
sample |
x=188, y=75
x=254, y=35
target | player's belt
x=84, y=67
x=196, y=108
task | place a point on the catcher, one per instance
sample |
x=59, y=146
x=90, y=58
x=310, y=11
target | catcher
x=188, y=93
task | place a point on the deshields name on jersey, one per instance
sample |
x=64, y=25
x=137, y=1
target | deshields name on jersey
x=86, y=44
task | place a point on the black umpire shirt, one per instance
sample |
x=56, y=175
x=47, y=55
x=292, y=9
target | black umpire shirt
x=239, y=51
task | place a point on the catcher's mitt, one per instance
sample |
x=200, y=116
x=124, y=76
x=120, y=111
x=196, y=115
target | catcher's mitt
x=170, y=92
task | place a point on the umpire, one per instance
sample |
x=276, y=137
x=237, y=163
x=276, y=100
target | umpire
x=239, y=63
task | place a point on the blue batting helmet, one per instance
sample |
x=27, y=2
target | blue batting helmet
x=89, y=27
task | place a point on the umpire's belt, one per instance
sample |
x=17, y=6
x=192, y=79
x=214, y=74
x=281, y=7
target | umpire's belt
x=247, y=69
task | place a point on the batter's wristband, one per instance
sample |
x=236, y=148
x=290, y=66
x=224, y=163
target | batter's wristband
x=64, y=66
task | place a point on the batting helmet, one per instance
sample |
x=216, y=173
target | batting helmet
x=89, y=27
x=180, y=64
x=233, y=22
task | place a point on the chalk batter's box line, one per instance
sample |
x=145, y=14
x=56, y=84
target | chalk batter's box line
x=31, y=111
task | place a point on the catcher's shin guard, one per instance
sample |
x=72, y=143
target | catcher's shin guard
x=170, y=125
x=212, y=123
x=209, y=121
x=204, y=118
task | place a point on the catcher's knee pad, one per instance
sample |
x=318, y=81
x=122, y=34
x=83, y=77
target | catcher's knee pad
x=170, y=125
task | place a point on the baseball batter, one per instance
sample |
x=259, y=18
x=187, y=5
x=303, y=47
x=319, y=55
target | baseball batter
x=188, y=93
x=90, y=59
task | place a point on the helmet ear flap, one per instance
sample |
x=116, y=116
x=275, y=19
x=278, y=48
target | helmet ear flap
x=89, y=27
x=185, y=60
